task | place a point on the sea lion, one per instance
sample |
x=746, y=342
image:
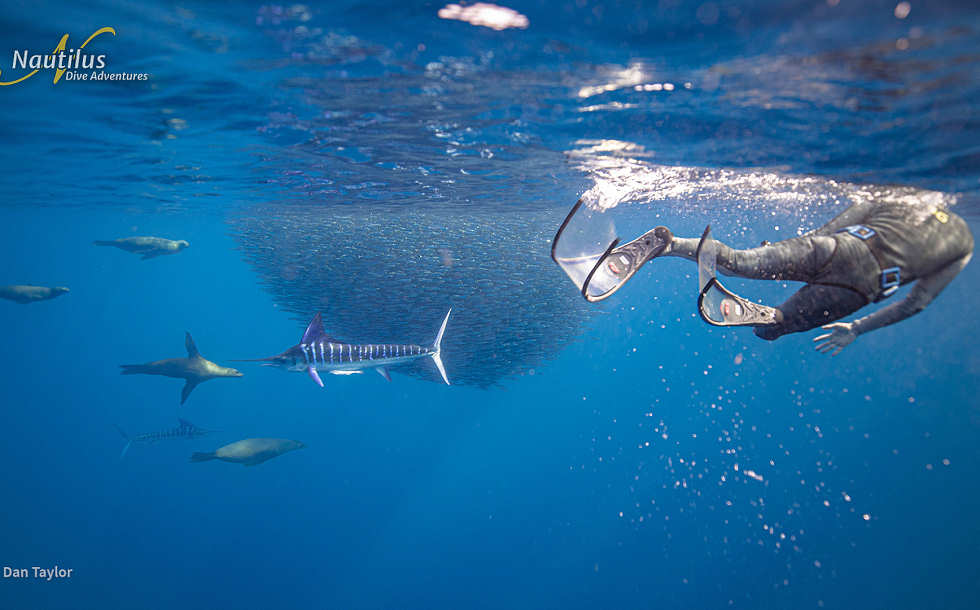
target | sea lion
x=30, y=294
x=195, y=368
x=250, y=451
x=149, y=247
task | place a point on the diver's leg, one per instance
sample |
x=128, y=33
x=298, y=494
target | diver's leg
x=812, y=306
x=798, y=259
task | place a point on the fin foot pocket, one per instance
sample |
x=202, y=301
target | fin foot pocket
x=719, y=306
x=620, y=263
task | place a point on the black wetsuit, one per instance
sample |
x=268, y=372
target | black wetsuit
x=859, y=257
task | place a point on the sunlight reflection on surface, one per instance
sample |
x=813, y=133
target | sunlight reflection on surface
x=485, y=15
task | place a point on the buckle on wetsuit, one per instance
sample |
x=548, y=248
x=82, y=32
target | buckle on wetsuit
x=891, y=278
x=860, y=231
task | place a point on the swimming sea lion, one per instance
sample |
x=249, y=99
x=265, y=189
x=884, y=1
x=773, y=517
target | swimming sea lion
x=149, y=247
x=30, y=294
x=195, y=368
x=250, y=451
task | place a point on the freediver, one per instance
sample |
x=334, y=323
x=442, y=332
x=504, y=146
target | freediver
x=860, y=257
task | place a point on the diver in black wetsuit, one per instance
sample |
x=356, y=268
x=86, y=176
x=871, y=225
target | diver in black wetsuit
x=860, y=257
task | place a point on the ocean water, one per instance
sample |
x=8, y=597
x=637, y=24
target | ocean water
x=379, y=163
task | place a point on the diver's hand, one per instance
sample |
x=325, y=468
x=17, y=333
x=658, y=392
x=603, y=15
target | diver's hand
x=840, y=336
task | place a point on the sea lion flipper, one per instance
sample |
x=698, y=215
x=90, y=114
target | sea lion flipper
x=189, y=344
x=188, y=388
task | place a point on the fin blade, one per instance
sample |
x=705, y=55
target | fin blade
x=314, y=375
x=383, y=371
x=191, y=347
x=125, y=449
x=706, y=255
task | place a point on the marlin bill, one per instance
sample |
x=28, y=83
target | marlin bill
x=316, y=352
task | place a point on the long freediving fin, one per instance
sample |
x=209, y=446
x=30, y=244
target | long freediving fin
x=719, y=306
x=437, y=348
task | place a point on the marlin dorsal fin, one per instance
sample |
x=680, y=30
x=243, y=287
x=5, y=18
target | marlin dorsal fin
x=189, y=344
x=314, y=331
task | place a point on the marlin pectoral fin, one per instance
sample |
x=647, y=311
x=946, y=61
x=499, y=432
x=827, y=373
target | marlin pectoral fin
x=188, y=388
x=314, y=375
x=383, y=371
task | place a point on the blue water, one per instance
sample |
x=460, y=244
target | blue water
x=378, y=164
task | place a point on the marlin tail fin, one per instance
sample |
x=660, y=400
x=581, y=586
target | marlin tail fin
x=437, y=348
x=128, y=442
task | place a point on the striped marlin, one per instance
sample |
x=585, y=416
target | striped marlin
x=185, y=429
x=318, y=352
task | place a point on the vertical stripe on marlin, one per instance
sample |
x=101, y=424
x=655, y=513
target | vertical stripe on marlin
x=303, y=349
x=322, y=361
x=331, y=353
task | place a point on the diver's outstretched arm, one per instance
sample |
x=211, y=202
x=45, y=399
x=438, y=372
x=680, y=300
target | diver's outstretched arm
x=923, y=292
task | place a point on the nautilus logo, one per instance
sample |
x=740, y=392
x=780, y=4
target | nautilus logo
x=74, y=64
